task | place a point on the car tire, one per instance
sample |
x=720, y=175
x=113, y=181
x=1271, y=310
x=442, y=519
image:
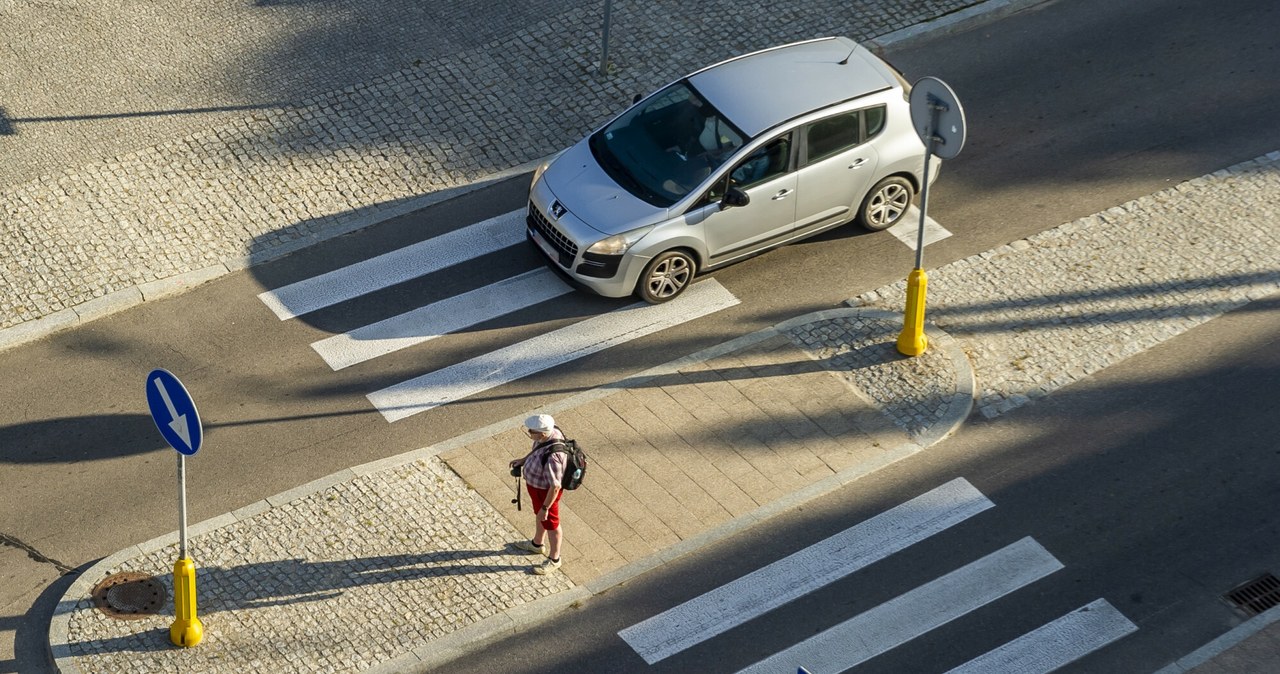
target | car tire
x=886, y=203
x=666, y=276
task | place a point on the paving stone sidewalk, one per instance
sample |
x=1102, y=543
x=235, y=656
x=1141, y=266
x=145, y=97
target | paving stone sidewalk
x=318, y=578
x=109, y=232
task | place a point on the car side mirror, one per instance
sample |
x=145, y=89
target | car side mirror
x=734, y=196
x=636, y=99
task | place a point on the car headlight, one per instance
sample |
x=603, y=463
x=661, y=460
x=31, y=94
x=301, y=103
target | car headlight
x=537, y=172
x=618, y=243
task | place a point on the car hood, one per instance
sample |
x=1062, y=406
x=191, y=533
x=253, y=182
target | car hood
x=581, y=186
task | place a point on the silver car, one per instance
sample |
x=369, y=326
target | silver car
x=745, y=155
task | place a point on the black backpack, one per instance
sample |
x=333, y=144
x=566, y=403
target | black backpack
x=575, y=465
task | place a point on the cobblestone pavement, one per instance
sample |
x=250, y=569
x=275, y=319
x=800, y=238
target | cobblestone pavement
x=271, y=584
x=425, y=537
x=194, y=139
x=455, y=94
x=1039, y=313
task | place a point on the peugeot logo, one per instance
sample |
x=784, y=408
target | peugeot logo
x=557, y=210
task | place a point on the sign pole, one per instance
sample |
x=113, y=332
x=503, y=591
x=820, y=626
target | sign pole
x=175, y=416
x=186, y=630
x=938, y=120
x=182, y=505
x=912, y=340
x=604, y=38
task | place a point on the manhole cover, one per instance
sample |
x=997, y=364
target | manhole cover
x=129, y=595
x=1257, y=595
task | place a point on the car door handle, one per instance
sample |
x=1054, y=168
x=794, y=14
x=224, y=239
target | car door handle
x=857, y=163
x=781, y=195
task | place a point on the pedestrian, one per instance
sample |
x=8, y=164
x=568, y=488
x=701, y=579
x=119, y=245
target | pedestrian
x=543, y=472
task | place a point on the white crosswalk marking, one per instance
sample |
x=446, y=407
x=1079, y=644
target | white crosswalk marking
x=1055, y=644
x=767, y=588
x=908, y=229
x=439, y=318
x=916, y=612
x=546, y=351
x=395, y=267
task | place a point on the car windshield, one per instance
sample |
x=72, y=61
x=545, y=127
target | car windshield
x=664, y=148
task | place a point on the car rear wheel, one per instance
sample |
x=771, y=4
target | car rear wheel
x=886, y=203
x=666, y=276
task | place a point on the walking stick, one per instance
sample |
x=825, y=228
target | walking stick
x=516, y=500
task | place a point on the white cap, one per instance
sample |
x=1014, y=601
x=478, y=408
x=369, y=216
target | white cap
x=540, y=423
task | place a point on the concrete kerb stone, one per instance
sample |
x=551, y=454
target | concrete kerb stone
x=973, y=15
x=439, y=652
x=511, y=621
x=127, y=298
x=176, y=285
x=59, y=646
x=451, y=647
x=311, y=487
x=341, y=224
x=1223, y=643
x=108, y=304
x=33, y=330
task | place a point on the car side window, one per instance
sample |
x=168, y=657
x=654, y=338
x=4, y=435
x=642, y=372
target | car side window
x=764, y=163
x=832, y=135
x=768, y=161
x=875, y=121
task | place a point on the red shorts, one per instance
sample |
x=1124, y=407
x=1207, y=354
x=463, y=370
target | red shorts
x=538, y=497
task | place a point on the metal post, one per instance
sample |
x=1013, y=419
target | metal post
x=182, y=505
x=186, y=630
x=604, y=41
x=924, y=197
x=912, y=340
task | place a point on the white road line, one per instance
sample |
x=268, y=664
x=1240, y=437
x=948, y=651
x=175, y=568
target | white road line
x=395, y=267
x=908, y=228
x=520, y=360
x=439, y=318
x=914, y=613
x=1056, y=644
x=794, y=576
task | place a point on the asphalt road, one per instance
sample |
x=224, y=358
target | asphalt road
x=1153, y=482
x=1073, y=108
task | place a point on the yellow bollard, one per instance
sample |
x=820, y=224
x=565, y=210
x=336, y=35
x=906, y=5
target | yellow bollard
x=186, y=630
x=911, y=341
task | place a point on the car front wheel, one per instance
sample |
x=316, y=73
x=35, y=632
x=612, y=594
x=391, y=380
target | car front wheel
x=886, y=203
x=666, y=276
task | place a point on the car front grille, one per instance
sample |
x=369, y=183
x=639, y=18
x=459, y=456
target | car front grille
x=568, y=249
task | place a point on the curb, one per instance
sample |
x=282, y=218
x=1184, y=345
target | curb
x=964, y=19
x=127, y=298
x=1223, y=643
x=346, y=223
x=511, y=621
x=434, y=655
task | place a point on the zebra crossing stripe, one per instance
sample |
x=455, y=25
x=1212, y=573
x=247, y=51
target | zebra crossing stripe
x=545, y=351
x=397, y=266
x=908, y=229
x=914, y=613
x=1055, y=644
x=803, y=572
x=439, y=318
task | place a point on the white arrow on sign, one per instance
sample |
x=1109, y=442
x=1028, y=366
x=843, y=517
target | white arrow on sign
x=178, y=422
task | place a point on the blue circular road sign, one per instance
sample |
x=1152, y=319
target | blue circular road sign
x=174, y=412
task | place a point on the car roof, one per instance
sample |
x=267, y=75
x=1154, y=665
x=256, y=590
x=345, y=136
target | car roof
x=760, y=90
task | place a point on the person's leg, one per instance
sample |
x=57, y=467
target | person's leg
x=555, y=536
x=554, y=532
x=537, y=497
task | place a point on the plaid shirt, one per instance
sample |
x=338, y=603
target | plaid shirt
x=543, y=472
